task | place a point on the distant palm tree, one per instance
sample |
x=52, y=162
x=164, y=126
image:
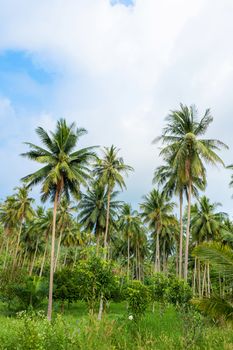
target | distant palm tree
x=109, y=172
x=157, y=211
x=64, y=170
x=93, y=209
x=187, y=151
x=24, y=211
x=167, y=176
x=207, y=224
x=130, y=225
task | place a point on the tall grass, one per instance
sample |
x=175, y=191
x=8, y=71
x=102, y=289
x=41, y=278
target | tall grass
x=164, y=329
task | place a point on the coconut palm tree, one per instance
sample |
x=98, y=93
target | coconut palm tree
x=64, y=169
x=109, y=171
x=207, y=224
x=129, y=225
x=24, y=211
x=188, y=152
x=157, y=211
x=167, y=177
x=221, y=259
x=93, y=209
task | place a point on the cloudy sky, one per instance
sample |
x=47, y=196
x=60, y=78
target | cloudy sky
x=116, y=68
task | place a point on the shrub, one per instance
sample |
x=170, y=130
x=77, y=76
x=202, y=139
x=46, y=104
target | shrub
x=138, y=296
x=95, y=277
x=178, y=292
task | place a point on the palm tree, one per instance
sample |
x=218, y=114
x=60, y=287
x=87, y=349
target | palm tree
x=157, y=211
x=187, y=152
x=168, y=177
x=24, y=211
x=130, y=225
x=64, y=170
x=93, y=208
x=206, y=225
x=221, y=259
x=109, y=172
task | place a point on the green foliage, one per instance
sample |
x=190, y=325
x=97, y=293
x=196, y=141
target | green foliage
x=169, y=289
x=95, y=277
x=178, y=292
x=158, y=284
x=22, y=291
x=138, y=296
x=66, y=287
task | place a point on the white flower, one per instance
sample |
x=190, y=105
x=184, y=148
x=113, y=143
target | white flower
x=130, y=317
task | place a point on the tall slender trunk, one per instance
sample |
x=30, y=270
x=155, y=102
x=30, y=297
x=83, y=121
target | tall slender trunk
x=139, y=264
x=208, y=279
x=75, y=257
x=157, y=254
x=181, y=235
x=43, y=259
x=107, y=224
x=24, y=258
x=128, y=257
x=17, y=245
x=105, y=251
x=188, y=232
x=199, y=278
x=34, y=258
x=6, y=253
x=164, y=256
x=50, y=303
x=58, y=251
x=194, y=276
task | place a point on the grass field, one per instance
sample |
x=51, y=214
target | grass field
x=164, y=329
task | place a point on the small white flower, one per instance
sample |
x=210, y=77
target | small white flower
x=130, y=317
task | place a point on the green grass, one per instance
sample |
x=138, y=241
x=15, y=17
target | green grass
x=164, y=329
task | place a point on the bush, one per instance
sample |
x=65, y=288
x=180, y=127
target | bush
x=138, y=296
x=178, y=292
x=66, y=286
x=95, y=277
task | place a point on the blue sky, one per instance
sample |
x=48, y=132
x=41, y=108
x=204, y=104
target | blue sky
x=116, y=68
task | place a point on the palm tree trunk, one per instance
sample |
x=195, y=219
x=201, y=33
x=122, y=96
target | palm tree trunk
x=50, y=303
x=208, y=279
x=164, y=257
x=58, y=251
x=17, y=245
x=75, y=257
x=194, y=276
x=43, y=259
x=107, y=224
x=188, y=232
x=105, y=250
x=157, y=257
x=181, y=235
x=34, y=258
x=64, y=262
x=6, y=253
x=24, y=258
x=128, y=257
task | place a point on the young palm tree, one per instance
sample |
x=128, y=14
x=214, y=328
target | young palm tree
x=109, y=172
x=187, y=151
x=65, y=169
x=157, y=211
